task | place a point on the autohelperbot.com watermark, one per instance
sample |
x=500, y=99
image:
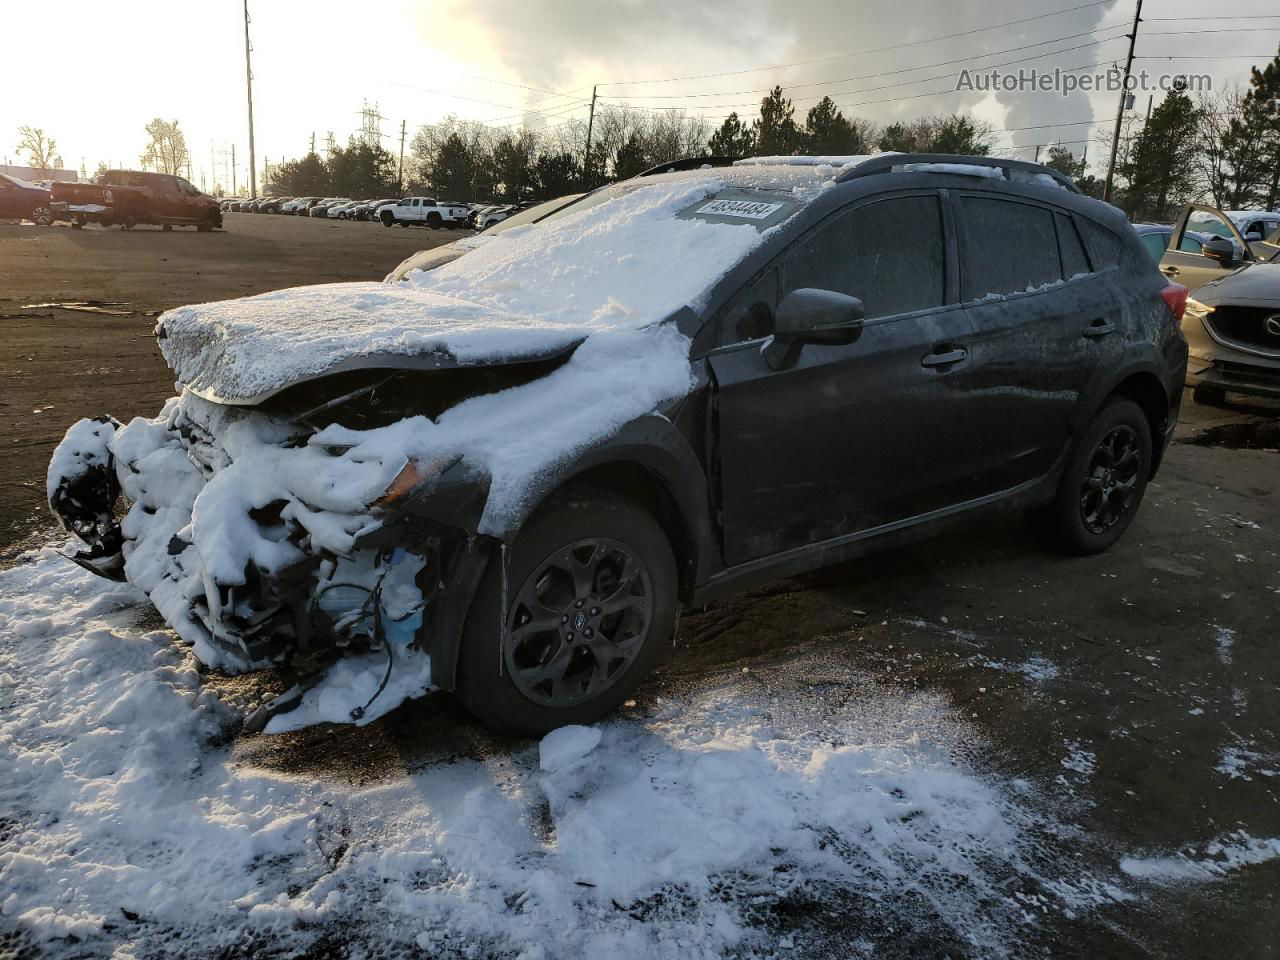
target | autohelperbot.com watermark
x=1067, y=82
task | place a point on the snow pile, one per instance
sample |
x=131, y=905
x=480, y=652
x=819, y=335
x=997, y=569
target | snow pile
x=133, y=827
x=614, y=266
x=1218, y=859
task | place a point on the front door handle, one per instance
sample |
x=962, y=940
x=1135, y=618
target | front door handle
x=944, y=357
x=1098, y=328
x=1170, y=271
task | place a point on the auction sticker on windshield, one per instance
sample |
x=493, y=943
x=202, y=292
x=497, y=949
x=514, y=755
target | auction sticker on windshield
x=761, y=211
x=747, y=209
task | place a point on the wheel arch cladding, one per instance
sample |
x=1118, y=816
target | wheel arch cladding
x=1146, y=390
x=645, y=487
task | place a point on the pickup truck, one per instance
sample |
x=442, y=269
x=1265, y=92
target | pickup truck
x=425, y=211
x=129, y=197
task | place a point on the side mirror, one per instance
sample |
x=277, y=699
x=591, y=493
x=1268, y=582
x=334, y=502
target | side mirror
x=818, y=316
x=1253, y=235
x=1224, y=251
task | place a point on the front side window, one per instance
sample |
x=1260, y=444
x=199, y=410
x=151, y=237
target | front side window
x=1006, y=247
x=888, y=253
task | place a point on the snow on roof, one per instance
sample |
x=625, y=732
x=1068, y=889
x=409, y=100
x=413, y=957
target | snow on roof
x=619, y=263
x=837, y=161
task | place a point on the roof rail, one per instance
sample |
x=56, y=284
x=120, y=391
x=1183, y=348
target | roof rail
x=886, y=163
x=688, y=163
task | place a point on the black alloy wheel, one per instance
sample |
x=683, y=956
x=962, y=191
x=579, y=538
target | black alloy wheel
x=1112, y=476
x=577, y=622
x=1102, y=483
x=585, y=608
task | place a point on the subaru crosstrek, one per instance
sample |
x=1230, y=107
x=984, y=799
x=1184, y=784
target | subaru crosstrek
x=503, y=475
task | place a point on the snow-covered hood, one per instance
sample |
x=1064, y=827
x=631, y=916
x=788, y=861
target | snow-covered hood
x=624, y=262
x=243, y=351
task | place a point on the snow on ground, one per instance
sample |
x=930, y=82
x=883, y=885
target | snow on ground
x=1216, y=860
x=133, y=826
x=729, y=822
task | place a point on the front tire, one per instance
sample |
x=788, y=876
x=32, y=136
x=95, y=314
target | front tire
x=41, y=215
x=1103, y=483
x=591, y=599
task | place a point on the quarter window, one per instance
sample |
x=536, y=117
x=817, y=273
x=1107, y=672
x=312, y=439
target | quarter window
x=1006, y=247
x=1074, y=261
x=1102, y=244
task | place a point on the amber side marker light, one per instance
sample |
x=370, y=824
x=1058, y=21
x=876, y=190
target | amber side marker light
x=412, y=475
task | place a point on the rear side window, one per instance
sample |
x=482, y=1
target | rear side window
x=1074, y=261
x=888, y=253
x=1102, y=244
x=1006, y=247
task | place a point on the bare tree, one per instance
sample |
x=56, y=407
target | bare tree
x=167, y=152
x=38, y=146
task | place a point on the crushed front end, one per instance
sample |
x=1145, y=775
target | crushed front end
x=284, y=538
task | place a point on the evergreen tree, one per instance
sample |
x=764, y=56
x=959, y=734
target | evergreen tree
x=776, y=133
x=1158, y=170
x=630, y=159
x=1064, y=161
x=1262, y=103
x=555, y=174
x=828, y=133
x=453, y=171
x=960, y=134
x=733, y=139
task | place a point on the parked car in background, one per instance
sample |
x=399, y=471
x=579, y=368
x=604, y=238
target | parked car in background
x=341, y=211
x=321, y=209
x=20, y=200
x=1255, y=226
x=423, y=211
x=509, y=490
x=1232, y=321
x=270, y=204
x=298, y=205
x=1155, y=239
x=129, y=197
x=495, y=214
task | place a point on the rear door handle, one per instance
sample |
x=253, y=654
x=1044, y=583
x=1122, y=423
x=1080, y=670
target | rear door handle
x=942, y=357
x=1099, y=328
x=1170, y=271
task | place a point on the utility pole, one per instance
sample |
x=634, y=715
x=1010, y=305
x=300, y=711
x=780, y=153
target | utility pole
x=248, y=82
x=1038, y=146
x=1124, y=94
x=586, y=161
x=313, y=141
x=400, y=169
x=233, y=169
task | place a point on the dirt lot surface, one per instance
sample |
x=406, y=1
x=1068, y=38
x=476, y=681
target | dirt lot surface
x=1139, y=690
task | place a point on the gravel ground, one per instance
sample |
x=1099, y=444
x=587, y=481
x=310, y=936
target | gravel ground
x=1134, y=694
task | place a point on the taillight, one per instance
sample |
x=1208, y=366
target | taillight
x=1175, y=295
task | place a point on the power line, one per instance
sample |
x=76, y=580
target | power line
x=890, y=73
x=861, y=53
x=905, y=83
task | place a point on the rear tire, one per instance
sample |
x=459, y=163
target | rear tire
x=41, y=215
x=388, y=219
x=1103, y=483
x=434, y=221
x=591, y=603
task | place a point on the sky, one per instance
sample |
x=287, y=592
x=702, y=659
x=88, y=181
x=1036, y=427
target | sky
x=317, y=62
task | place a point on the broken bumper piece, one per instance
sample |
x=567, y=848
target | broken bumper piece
x=269, y=552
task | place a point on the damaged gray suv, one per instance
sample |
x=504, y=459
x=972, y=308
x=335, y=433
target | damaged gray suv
x=501, y=471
